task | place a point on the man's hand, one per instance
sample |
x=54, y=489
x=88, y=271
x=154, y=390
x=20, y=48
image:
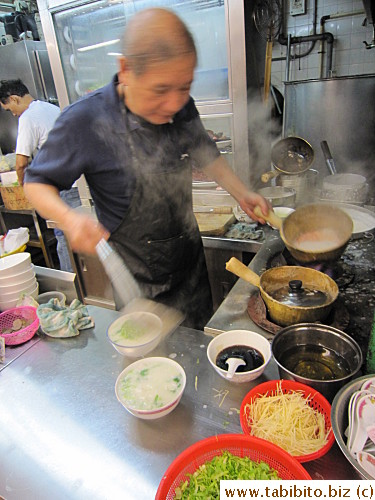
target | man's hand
x=252, y=200
x=83, y=232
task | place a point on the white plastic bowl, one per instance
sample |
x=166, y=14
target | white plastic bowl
x=27, y=289
x=11, y=288
x=235, y=338
x=14, y=264
x=144, y=333
x=15, y=279
x=148, y=379
x=9, y=303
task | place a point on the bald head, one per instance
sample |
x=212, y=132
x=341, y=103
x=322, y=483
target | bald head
x=155, y=36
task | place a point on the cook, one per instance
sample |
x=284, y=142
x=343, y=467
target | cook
x=136, y=140
x=35, y=120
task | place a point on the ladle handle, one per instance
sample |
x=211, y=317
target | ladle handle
x=328, y=157
x=236, y=267
x=271, y=217
x=269, y=175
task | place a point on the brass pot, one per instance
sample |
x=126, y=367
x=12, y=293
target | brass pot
x=278, y=278
x=316, y=232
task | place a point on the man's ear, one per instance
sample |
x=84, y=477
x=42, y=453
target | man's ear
x=123, y=72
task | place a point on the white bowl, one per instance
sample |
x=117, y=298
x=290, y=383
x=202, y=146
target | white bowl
x=10, y=288
x=14, y=264
x=141, y=335
x=15, y=279
x=141, y=383
x=12, y=302
x=28, y=289
x=236, y=338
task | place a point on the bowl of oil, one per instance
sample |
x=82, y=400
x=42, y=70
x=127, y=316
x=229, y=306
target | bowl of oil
x=317, y=355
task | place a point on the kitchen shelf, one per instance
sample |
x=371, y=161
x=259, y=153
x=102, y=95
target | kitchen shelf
x=39, y=238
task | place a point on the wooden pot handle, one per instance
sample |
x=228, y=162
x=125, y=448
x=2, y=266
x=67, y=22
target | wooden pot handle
x=269, y=175
x=236, y=267
x=271, y=217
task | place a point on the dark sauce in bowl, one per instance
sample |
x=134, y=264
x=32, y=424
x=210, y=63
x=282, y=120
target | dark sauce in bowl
x=252, y=357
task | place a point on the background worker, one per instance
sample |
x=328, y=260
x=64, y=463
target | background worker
x=35, y=120
x=136, y=141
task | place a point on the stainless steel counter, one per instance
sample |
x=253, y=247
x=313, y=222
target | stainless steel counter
x=232, y=313
x=64, y=435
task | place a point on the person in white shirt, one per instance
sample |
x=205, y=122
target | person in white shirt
x=35, y=120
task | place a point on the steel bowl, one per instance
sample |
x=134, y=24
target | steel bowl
x=339, y=419
x=319, y=335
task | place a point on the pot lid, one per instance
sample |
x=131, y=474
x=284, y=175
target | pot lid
x=294, y=294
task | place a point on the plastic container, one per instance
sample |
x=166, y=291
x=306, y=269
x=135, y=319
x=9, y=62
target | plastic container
x=316, y=401
x=203, y=451
x=45, y=297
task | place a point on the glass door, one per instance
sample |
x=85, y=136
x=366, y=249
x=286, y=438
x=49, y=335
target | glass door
x=89, y=42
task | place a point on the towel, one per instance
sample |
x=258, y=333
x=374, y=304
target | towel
x=63, y=321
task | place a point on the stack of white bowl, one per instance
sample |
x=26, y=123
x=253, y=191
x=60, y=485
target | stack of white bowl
x=17, y=277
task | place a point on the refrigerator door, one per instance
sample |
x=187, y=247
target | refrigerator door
x=84, y=42
x=89, y=42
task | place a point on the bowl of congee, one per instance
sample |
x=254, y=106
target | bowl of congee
x=135, y=334
x=151, y=388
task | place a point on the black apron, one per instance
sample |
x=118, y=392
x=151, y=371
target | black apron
x=158, y=237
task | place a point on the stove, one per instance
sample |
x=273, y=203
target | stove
x=354, y=274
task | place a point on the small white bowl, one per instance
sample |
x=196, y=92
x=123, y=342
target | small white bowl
x=141, y=336
x=14, y=264
x=11, y=287
x=236, y=338
x=141, y=383
x=28, y=288
x=15, y=279
x=10, y=303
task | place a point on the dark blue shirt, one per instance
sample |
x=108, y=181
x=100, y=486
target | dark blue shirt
x=91, y=138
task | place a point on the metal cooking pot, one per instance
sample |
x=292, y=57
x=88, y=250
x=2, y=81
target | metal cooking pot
x=317, y=335
x=292, y=155
x=276, y=287
x=316, y=232
x=345, y=188
x=279, y=196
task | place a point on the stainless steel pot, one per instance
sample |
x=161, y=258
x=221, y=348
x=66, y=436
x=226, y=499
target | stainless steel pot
x=304, y=184
x=314, y=334
x=345, y=188
x=279, y=196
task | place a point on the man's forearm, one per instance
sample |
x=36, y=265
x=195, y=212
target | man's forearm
x=22, y=162
x=47, y=202
x=221, y=172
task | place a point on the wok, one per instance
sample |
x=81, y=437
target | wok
x=286, y=310
x=315, y=232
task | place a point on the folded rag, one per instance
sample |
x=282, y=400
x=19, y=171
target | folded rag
x=63, y=321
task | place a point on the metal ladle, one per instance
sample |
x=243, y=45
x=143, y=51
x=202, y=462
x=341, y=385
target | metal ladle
x=233, y=364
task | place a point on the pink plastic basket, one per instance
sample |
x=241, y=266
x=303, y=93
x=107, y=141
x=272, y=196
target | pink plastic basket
x=19, y=337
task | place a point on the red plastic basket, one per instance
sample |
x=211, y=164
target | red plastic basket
x=21, y=336
x=237, y=444
x=316, y=401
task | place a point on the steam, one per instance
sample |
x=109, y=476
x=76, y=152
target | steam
x=263, y=132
